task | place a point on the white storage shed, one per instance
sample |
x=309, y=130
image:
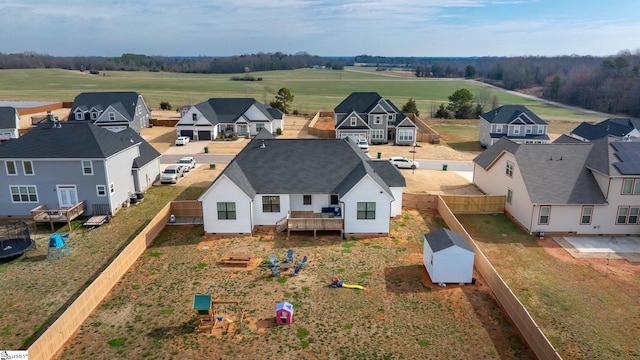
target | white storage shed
x=448, y=257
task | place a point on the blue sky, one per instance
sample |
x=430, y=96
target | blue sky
x=320, y=27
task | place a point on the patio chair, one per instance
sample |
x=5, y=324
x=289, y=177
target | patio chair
x=274, y=262
x=289, y=257
x=302, y=263
x=275, y=271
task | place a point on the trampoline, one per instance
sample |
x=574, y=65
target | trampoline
x=14, y=239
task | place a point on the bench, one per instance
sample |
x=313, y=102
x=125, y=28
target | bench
x=237, y=259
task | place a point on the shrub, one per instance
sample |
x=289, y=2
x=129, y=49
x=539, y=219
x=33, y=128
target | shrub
x=278, y=131
x=164, y=105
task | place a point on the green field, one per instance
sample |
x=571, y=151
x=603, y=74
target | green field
x=314, y=89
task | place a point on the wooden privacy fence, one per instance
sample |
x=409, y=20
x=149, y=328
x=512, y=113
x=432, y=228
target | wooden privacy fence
x=412, y=201
x=186, y=209
x=477, y=204
x=530, y=331
x=54, y=338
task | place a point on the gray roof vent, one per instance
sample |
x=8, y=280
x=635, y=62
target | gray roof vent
x=263, y=146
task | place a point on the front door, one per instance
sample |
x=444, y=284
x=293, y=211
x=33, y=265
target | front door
x=67, y=195
x=242, y=129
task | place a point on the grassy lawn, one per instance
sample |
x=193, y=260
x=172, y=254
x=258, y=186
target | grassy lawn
x=585, y=313
x=314, y=90
x=36, y=290
x=401, y=315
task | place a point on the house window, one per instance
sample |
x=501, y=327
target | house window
x=87, y=167
x=389, y=119
x=353, y=121
x=101, y=190
x=377, y=134
x=544, y=215
x=226, y=211
x=627, y=215
x=27, y=166
x=377, y=119
x=79, y=115
x=516, y=130
x=24, y=194
x=271, y=204
x=94, y=115
x=540, y=130
x=194, y=117
x=334, y=199
x=139, y=109
x=405, y=135
x=631, y=187
x=528, y=129
x=11, y=168
x=112, y=188
x=509, y=196
x=112, y=116
x=587, y=212
x=499, y=129
x=306, y=199
x=366, y=210
x=259, y=127
x=509, y=170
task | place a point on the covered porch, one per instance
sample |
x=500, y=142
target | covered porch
x=43, y=214
x=311, y=221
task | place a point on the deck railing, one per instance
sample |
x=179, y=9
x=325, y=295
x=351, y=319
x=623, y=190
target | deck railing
x=43, y=214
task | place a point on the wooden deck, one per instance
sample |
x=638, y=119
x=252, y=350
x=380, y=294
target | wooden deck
x=62, y=215
x=311, y=221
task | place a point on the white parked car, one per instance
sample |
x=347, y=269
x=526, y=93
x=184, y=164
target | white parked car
x=187, y=163
x=363, y=144
x=171, y=174
x=404, y=163
x=182, y=140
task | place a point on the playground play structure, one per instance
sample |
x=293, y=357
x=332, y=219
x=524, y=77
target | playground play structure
x=14, y=239
x=287, y=264
x=336, y=283
x=57, y=246
x=212, y=318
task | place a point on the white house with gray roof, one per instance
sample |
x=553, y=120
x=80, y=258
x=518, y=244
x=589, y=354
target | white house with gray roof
x=62, y=165
x=228, y=116
x=367, y=115
x=303, y=184
x=115, y=111
x=569, y=187
x=515, y=122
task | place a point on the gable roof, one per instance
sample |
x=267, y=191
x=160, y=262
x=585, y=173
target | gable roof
x=147, y=152
x=444, y=238
x=123, y=101
x=75, y=140
x=566, y=139
x=276, y=114
x=7, y=117
x=364, y=103
x=615, y=126
x=614, y=157
x=507, y=114
x=552, y=173
x=306, y=166
x=229, y=110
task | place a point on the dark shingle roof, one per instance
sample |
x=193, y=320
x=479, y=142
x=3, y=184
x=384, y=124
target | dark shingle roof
x=147, y=152
x=275, y=113
x=306, y=166
x=360, y=102
x=615, y=127
x=613, y=157
x=444, y=238
x=124, y=101
x=552, y=173
x=75, y=140
x=565, y=139
x=229, y=110
x=7, y=117
x=509, y=113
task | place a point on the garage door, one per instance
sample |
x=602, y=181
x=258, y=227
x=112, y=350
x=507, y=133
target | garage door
x=353, y=135
x=204, y=135
x=188, y=133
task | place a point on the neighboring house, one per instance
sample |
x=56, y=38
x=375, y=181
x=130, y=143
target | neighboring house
x=515, y=122
x=9, y=123
x=72, y=162
x=114, y=111
x=286, y=182
x=581, y=188
x=615, y=127
x=225, y=117
x=367, y=115
x=447, y=257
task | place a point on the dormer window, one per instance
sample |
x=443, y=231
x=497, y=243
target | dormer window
x=79, y=115
x=353, y=121
x=112, y=116
x=94, y=115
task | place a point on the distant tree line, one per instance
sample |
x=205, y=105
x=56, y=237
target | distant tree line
x=608, y=84
x=202, y=64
